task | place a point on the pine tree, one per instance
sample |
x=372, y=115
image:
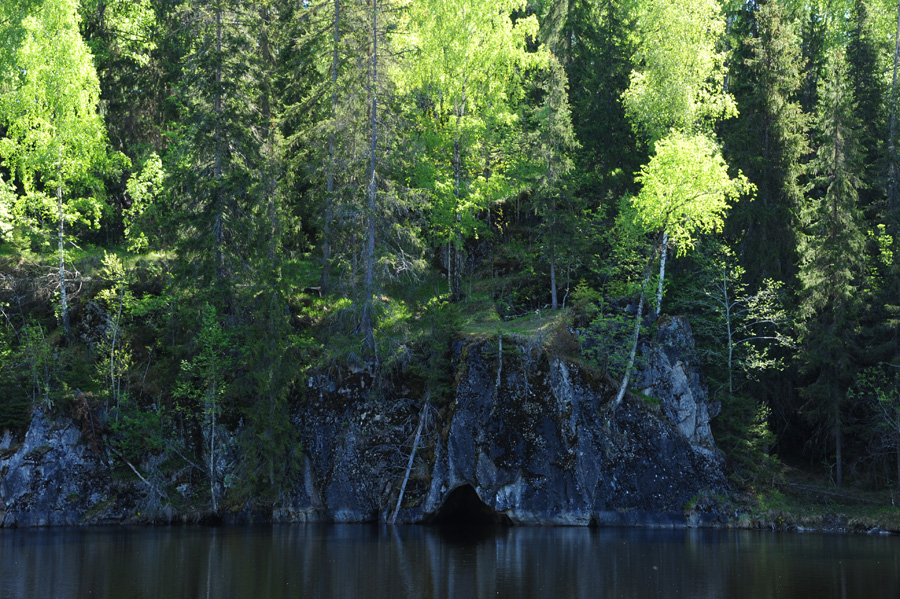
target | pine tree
x=832, y=266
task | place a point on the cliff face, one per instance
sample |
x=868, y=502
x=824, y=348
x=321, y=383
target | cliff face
x=527, y=438
x=52, y=478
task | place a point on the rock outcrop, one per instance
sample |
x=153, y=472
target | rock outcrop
x=52, y=477
x=530, y=433
x=528, y=438
x=672, y=376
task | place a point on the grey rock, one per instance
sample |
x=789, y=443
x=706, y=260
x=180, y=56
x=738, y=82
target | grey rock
x=52, y=478
x=672, y=376
x=533, y=439
x=541, y=446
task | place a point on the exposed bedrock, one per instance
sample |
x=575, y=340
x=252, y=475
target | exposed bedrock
x=529, y=433
x=527, y=437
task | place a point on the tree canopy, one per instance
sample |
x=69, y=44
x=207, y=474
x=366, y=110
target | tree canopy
x=206, y=205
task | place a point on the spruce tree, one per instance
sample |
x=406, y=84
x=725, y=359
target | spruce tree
x=218, y=151
x=600, y=33
x=832, y=260
x=865, y=69
x=767, y=142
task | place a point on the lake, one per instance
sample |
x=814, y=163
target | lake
x=379, y=562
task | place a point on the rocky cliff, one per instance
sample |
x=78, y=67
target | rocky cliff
x=528, y=437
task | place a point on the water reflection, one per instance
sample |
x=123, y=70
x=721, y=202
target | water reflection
x=352, y=561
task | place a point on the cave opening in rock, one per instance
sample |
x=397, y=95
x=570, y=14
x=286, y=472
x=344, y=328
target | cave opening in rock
x=464, y=508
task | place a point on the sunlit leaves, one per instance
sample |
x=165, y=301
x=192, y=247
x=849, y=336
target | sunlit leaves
x=131, y=23
x=679, y=81
x=467, y=64
x=54, y=134
x=143, y=188
x=686, y=189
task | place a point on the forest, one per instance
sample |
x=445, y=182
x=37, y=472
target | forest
x=205, y=202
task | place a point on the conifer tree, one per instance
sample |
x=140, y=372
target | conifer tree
x=218, y=150
x=832, y=266
x=767, y=142
x=601, y=33
x=270, y=460
x=865, y=69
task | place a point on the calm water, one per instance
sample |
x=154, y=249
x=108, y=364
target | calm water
x=370, y=562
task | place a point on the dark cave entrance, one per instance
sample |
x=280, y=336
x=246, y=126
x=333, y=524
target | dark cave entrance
x=464, y=509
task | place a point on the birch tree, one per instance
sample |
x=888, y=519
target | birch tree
x=676, y=96
x=55, y=141
x=468, y=58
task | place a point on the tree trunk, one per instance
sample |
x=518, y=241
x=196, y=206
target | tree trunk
x=218, y=227
x=63, y=302
x=893, y=191
x=838, y=448
x=369, y=280
x=460, y=109
x=553, y=299
x=623, y=387
x=412, y=456
x=212, y=454
x=727, y=306
x=664, y=249
x=456, y=258
x=329, y=189
x=553, y=295
x=112, y=350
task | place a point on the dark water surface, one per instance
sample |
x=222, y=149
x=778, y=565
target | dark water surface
x=371, y=562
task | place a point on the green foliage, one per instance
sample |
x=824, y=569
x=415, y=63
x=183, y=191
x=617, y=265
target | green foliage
x=507, y=132
x=54, y=136
x=585, y=301
x=7, y=203
x=686, y=189
x=680, y=69
x=143, y=188
x=768, y=141
x=202, y=386
x=42, y=360
x=202, y=380
x=741, y=335
x=432, y=363
x=469, y=61
x=833, y=260
x=132, y=24
x=15, y=405
x=114, y=348
x=138, y=432
x=606, y=341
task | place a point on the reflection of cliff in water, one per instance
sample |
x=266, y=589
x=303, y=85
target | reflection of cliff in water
x=379, y=562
